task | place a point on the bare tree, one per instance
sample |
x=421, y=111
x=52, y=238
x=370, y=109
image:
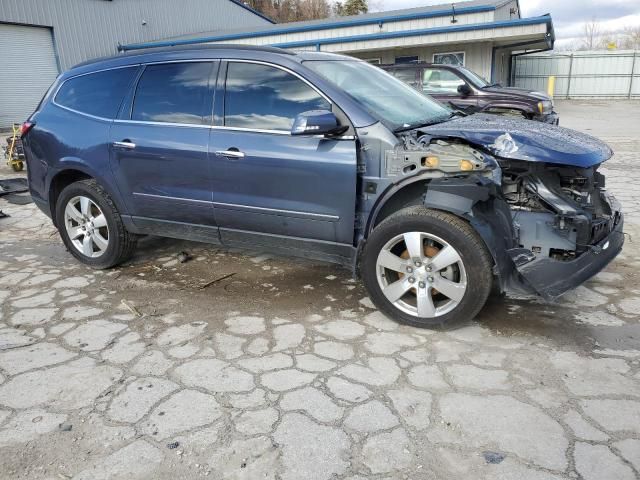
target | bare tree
x=292, y=10
x=592, y=33
x=631, y=38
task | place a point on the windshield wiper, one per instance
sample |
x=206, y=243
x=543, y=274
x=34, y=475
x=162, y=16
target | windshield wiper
x=492, y=85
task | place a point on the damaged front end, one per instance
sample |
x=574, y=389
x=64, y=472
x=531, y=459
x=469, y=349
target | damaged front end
x=547, y=220
x=568, y=227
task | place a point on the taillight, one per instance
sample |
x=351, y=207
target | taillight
x=26, y=126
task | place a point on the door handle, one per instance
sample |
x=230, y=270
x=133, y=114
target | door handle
x=125, y=144
x=232, y=153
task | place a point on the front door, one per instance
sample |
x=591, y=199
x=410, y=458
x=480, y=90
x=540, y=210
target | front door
x=271, y=188
x=160, y=149
x=443, y=84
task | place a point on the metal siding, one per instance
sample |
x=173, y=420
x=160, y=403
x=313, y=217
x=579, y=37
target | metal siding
x=85, y=29
x=29, y=68
x=582, y=74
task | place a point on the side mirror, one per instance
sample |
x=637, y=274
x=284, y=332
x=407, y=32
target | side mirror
x=464, y=90
x=317, y=122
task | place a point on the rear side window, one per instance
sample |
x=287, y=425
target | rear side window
x=261, y=97
x=98, y=94
x=172, y=93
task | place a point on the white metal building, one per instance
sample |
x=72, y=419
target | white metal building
x=40, y=38
x=481, y=34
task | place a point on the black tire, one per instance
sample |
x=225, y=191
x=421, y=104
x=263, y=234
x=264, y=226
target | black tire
x=121, y=244
x=455, y=231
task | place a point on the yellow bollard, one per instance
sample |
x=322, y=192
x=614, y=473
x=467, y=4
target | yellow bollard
x=551, y=85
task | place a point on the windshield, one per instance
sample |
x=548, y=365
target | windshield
x=386, y=98
x=476, y=79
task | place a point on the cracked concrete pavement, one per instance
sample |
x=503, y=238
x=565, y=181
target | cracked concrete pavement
x=286, y=371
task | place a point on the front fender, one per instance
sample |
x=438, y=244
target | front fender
x=477, y=200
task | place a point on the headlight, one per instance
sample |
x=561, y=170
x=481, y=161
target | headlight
x=545, y=106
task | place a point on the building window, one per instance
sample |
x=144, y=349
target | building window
x=408, y=59
x=449, y=58
x=172, y=93
x=260, y=97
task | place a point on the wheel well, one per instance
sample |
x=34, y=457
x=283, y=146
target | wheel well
x=59, y=182
x=405, y=197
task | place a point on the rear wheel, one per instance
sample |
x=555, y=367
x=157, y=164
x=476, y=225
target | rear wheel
x=91, y=227
x=426, y=268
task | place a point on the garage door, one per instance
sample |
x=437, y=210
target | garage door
x=27, y=69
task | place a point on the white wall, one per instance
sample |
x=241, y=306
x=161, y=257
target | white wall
x=477, y=56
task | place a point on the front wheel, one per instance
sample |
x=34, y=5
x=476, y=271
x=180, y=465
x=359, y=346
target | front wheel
x=426, y=268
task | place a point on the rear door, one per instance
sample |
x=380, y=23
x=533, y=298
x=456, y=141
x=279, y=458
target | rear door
x=159, y=149
x=269, y=184
x=443, y=84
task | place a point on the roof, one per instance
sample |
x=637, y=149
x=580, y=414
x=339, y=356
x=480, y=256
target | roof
x=444, y=9
x=199, y=52
x=187, y=48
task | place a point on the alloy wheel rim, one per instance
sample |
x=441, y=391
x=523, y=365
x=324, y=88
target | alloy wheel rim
x=86, y=226
x=421, y=274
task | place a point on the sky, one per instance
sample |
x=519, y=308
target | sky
x=569, y=16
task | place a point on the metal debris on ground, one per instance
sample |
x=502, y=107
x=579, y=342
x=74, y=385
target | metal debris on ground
x=13, y=185
x=131, y=308
x=184, y=257
x=65, y=427
x=217, y=280
x=493, y=457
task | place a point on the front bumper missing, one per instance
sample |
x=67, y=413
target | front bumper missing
x=551, y=278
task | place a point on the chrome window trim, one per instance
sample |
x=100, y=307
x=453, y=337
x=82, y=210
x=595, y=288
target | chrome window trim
x=317, y=216
x=251, y=130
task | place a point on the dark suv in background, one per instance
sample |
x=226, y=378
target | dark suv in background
x=470, y=93
x=325, y=157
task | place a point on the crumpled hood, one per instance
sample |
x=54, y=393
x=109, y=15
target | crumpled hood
x=519, y=139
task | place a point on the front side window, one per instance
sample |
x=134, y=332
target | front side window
x=99, y=94
x=172, y=93
x=436, y=80
x=262, y=97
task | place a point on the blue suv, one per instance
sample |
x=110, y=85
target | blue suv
x=325, y=157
